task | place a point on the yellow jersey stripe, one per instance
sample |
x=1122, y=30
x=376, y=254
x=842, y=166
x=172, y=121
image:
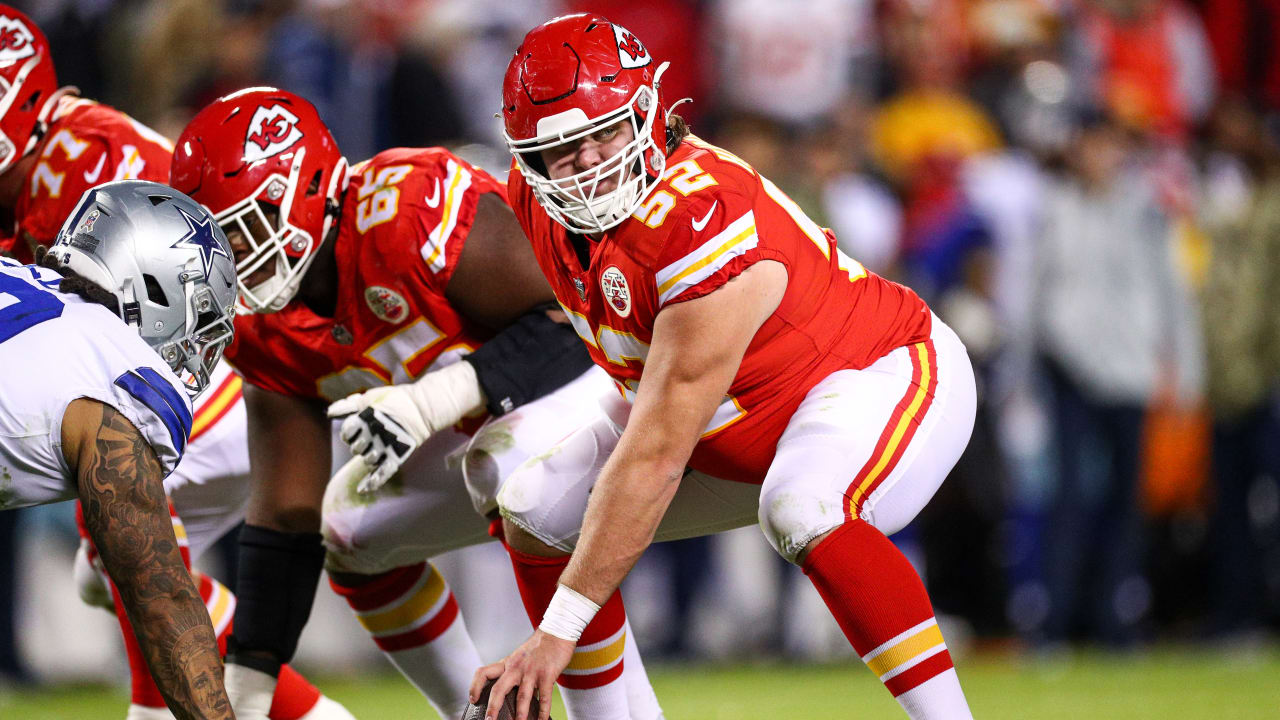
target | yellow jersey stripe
x=712, y=246
x=728, y=245
x=209, y=411
x=459, y=179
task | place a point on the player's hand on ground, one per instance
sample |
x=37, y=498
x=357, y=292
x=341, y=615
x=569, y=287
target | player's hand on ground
x=379, y=430
x=533, y=668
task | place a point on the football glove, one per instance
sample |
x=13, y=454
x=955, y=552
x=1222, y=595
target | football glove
x=383, y=426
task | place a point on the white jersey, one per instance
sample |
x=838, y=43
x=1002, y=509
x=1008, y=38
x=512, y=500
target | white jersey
x=55, y=348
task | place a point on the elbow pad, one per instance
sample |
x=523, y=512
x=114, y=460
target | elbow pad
x=530, y=358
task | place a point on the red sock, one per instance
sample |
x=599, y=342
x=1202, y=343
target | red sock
x=597, y=660
x=880, y=604
x=393, y=592
x=294, y=696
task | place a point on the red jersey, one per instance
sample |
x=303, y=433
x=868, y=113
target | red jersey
x=710, y=218
x=87, y=144
x=405, y=218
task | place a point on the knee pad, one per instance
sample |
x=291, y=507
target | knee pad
x=546, y=504
x=547, y=494
x=792, y=514
x=486, y=462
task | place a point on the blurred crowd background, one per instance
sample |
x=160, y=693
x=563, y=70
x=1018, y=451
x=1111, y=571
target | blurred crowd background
x=1088, y=191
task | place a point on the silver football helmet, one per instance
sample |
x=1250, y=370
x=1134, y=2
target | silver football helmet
x=167, y=262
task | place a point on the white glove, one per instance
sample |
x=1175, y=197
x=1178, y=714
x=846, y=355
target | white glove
x=91, y=578
x=250, y=691
x=384, y=425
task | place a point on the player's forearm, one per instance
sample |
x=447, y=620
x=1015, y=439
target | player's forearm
x=173, y=631
x=126, y=513
x=626, y=507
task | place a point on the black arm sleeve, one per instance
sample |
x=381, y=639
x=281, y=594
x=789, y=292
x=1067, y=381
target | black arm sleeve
x=531, y=357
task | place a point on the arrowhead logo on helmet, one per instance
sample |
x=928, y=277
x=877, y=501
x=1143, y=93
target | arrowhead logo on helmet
x=630, y=52
x=572, y=76
x=272, y=130
x=16, y=41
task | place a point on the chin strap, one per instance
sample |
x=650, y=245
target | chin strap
x=45, y=117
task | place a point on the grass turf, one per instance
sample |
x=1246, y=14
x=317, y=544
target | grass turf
x=1188, y=684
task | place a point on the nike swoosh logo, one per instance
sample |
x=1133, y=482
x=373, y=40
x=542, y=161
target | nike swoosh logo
x=434, y=199
x=93, y=177
x=699, y=224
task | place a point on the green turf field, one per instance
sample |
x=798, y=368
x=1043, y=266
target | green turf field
x=1183, y=684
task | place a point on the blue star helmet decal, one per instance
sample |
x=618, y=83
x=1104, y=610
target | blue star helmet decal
x=200, y=236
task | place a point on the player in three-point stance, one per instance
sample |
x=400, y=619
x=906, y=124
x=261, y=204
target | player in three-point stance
x=101, y=347
x=766, y=377
x=407, y=277
x=54, y=146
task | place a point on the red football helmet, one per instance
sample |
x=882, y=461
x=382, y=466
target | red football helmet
x=256, y=151
x=29, y=86
x=570, y=77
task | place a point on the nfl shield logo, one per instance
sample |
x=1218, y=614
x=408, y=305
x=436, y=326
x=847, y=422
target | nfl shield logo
x=582, y=289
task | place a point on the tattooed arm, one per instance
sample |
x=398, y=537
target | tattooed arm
x=125, y=510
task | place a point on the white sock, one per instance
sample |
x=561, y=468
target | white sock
x=327, y=708
x=938, y=698
x=251, y=691
x=143, y=712
x=641, y=700
x=442, y=669
x=609, y=701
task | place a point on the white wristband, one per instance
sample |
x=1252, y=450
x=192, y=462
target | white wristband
x=445, y=396
x=568, y=614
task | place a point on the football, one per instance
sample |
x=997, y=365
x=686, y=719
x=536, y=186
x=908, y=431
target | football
x=475, y=711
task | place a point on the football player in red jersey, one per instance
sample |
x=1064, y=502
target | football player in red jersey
x=766, y=376
x=53, y=147
x=406, y=277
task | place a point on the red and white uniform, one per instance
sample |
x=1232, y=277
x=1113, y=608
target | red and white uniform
x=406, y=216
x=711, y=218
x=850, y=387
x=89, y=144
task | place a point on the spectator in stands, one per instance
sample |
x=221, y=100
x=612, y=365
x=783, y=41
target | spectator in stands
x=1116, y=322
x=1241, y=213
x=1148, y=61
